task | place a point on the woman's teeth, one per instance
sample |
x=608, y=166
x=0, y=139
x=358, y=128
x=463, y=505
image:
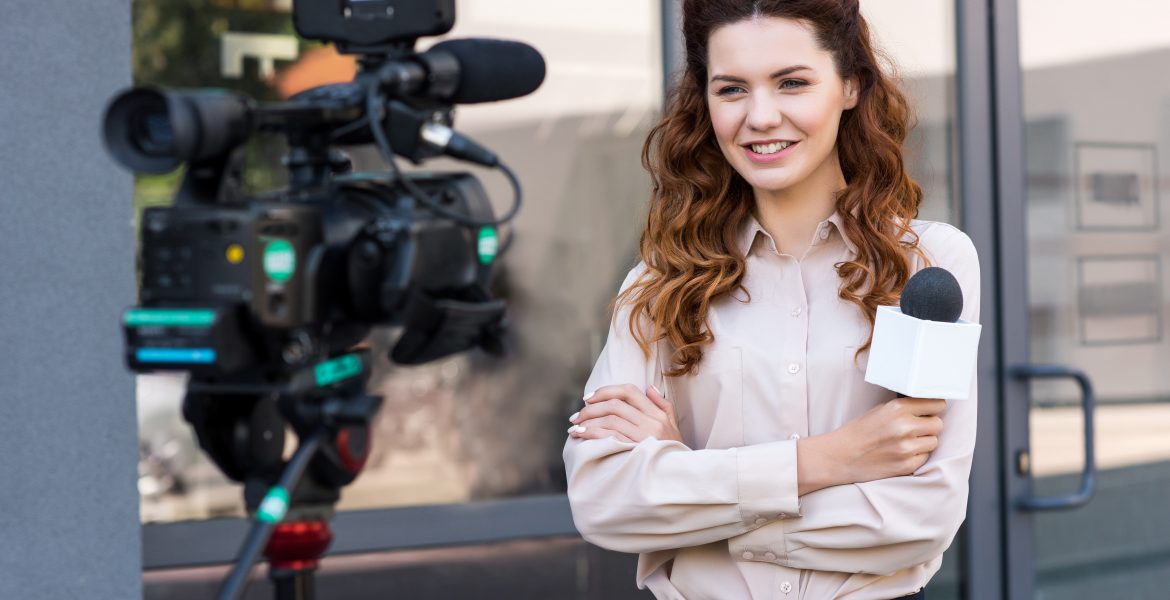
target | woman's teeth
x=772, y=148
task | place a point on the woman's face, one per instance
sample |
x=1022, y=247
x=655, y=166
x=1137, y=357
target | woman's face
x=775, y=101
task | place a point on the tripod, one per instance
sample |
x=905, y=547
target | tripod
x=241, y=425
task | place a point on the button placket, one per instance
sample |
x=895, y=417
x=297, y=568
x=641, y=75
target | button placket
x=794, y=352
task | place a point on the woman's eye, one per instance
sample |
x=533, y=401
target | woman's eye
x=729, y=90
x=795, y=83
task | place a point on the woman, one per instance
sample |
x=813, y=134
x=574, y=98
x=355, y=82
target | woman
x=728, y=434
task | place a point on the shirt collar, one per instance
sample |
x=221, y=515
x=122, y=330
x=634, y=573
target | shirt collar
x=839, y=223
x=752, y=229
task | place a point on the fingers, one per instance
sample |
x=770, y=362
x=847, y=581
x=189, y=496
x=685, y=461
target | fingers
x=925, y=407
x=659, y=400
x=614, y=407
x=930, y=425
x=607, y=426
x=628, y=393
x=916, y=463
x=598, y=433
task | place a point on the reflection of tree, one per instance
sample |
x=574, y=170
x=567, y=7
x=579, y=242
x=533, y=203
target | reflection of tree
x=177, y=42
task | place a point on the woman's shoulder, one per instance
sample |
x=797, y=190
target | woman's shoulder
x=633, y=275
x=943, y=242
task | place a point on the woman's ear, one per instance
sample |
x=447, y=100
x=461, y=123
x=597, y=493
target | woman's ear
x=851, y=92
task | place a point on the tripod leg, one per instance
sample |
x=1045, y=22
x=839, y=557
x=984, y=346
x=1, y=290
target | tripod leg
x=293, y=584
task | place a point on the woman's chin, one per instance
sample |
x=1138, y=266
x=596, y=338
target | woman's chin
x=770, y=185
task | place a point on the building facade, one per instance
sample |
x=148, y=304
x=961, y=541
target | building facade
x=1040, y=126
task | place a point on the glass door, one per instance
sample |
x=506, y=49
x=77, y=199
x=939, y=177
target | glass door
x=1087, y=368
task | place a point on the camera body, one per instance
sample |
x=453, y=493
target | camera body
x=254, y=289
x=271, y=282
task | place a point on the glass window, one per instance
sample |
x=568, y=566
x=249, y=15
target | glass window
x=924, y=58
x=471, y=426
x=1097, y=113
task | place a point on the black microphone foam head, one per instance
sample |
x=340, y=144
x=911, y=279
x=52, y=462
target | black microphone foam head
x=492, y=70
x=933, y=294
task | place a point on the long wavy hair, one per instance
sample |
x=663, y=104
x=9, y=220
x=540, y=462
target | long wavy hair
x=699, y=202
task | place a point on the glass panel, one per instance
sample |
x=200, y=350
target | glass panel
x=469, y=427
x=924, y=57
x=919, y=37
x=1097, y=114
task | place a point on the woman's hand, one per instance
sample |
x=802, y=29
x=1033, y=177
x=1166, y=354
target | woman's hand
x=624, y=412
x=894, y=438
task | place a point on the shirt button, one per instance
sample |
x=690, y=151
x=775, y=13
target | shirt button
x=796, y=311
x=796, y=436
x=794, y=368
x=770, y=556
x=825, y=233
x=785, y=587
x=748, y=556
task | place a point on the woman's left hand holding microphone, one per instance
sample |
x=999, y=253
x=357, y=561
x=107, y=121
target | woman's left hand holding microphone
x=626, y=413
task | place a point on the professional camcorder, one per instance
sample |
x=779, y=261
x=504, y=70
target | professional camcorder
x=262, y=298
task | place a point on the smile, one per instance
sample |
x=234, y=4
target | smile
x=769, y=151
x=772, y=148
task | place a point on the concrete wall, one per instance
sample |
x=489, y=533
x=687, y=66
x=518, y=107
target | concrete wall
x=68, y=495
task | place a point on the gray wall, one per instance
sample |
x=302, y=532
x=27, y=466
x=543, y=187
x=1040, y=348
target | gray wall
x=68, y=497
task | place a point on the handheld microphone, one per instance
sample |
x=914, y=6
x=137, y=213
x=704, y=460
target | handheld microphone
x=933, y=294
x=923, y=349
x=468, y=71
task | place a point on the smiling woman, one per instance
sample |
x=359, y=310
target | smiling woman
x=728, y=435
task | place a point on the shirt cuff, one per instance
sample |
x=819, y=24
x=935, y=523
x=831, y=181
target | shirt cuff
x=767, y=482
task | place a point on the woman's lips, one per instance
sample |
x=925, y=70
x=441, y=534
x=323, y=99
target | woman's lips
x=767, y=158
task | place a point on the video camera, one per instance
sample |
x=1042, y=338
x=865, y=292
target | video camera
x=262, y=298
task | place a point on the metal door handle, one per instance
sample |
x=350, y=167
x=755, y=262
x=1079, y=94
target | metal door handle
x=1088, y=405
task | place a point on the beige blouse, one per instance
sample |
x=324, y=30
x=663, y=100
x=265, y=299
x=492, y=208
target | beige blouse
x=719, y=517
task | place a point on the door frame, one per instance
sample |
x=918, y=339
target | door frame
x=998, y=559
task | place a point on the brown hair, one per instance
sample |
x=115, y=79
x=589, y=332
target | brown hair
x=699, y=202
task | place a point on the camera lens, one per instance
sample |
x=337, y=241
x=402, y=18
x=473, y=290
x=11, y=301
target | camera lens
x=139, y=132
x=154, y=131
x=151, y=133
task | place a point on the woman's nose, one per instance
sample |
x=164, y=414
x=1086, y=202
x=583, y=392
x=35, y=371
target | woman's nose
x=765, y=114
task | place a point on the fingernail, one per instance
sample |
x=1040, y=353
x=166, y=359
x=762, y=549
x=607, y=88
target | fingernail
x=573, y=419
x=656, y=390
x=579, y=429
x=571, y=428
x=589, y=395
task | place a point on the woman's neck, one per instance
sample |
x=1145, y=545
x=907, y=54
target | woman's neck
x=791, y=215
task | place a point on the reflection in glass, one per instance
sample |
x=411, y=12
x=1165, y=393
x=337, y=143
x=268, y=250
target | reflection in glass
x=1098, y=125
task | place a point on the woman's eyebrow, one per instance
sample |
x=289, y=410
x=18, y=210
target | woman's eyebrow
x=776, y=75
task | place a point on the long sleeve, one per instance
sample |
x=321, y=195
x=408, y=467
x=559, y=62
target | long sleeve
x=883, y=526
x=659, y=495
